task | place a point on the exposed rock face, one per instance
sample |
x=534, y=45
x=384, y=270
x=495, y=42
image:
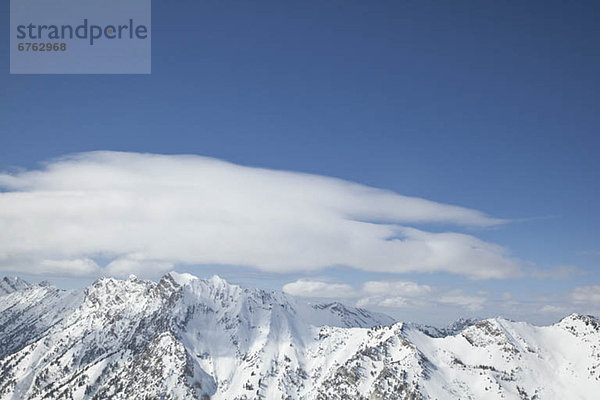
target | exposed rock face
x=187, y=338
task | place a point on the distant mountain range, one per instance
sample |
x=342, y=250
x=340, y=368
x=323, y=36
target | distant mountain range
x=189, y=338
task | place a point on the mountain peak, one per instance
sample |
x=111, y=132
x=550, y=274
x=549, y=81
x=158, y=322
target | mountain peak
x=218, y=281
x=10, y=284
x=580, y=324
x=182, y=279
x=460, y=324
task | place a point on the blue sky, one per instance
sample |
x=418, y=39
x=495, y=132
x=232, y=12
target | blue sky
x=492, y=106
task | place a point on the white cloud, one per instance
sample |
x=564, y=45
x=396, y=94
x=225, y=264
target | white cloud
x=398, y=288
x=553, y=309
x=148, y=211
x=559, y=272
x=308, y=288
x=139, y=266
x=472, y=303
x=392, y=294
x=586, y=294
x=389, y=294
x=76, y=267
x=381, y=301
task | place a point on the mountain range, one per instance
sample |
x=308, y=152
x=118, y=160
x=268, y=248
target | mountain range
x=189, y=338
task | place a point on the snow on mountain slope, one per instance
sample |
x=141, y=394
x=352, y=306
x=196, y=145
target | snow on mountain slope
x=25, y=315
x=189, y=338
x=497, y=358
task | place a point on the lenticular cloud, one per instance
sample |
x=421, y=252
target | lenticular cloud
x=147, y=212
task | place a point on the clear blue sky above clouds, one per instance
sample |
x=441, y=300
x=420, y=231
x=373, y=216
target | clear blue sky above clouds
x=491, y=105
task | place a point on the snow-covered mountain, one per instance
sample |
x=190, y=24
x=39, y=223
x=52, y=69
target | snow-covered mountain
x=188, y=338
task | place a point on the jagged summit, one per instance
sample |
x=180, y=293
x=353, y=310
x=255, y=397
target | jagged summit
x=581, y=325
x=10, y=284
x=181, y=278
x=452, y=329
x=187, y=279
x=459, y=325
x=575, y=317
